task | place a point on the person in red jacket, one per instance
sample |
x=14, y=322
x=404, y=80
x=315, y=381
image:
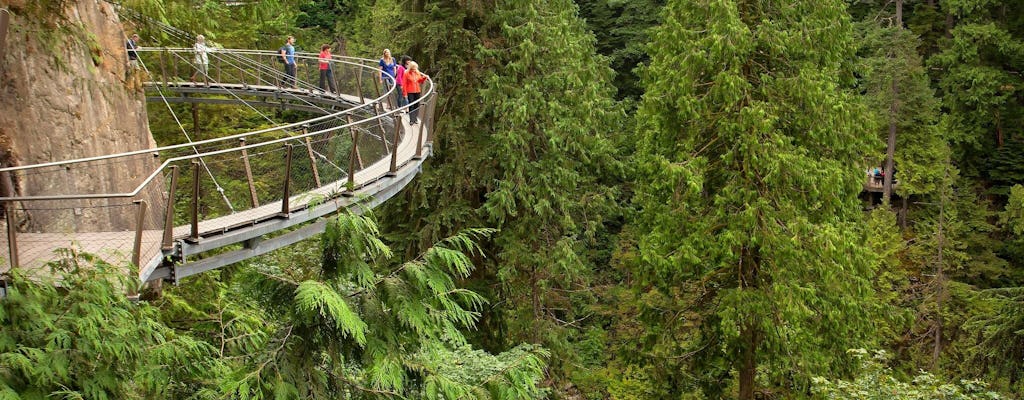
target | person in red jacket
x=411, y=86
x=326, y=74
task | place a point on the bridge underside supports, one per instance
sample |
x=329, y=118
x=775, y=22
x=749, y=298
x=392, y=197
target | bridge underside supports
x=366, y=197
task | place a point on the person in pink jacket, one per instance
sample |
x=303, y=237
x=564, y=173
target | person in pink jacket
x=399, y=76
x=411, y=85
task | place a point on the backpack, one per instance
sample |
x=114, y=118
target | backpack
x=279, y=58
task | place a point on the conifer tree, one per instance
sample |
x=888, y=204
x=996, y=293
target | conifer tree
x=751, y=141
x=84, y=339
x=523, y=146
x=978, y=73
x=359, y=326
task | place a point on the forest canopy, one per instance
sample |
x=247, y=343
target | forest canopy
x=645, y=199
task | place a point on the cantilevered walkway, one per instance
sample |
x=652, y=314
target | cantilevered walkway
x=207, y=202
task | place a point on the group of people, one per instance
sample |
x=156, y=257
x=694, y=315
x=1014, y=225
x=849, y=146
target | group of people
x=406, y=76
x=404, y=73
x=876, y=176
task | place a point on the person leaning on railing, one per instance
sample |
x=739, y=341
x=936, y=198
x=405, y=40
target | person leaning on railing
x=412, y=80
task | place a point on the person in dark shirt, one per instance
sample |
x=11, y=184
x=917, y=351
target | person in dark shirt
x=133, y=56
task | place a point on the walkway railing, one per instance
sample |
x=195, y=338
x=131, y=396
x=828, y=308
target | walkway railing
x=152, y=206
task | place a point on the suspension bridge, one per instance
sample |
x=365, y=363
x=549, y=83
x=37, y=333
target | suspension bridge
x=183, y=209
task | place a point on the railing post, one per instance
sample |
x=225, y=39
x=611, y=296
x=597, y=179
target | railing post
x=168, y=242
x=7, y=190
x=12, y=234
x=312, y=159
x=287, y=180
x=419, y=136
x=140, y=220
x=194, y=234
x=359, y=86
x=355, y=139
x=352, y=159
x=253, y=199
x=394, y=153
x=431, y=118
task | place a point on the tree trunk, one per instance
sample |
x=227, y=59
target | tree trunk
x=999, y=129
x=940, y=278
x=748, y=367
x=893, y=109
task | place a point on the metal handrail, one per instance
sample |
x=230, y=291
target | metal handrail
x=214, y=140
x=149, y=179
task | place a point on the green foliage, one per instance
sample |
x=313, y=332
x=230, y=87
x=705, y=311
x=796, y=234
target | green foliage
x=85, y=339
x=875, y=381
x=524, y=146
x=364, y=326
x=748, y=194
x=620, y=28
x=890, y=62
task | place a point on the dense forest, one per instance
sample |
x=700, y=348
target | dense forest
x=642, y=199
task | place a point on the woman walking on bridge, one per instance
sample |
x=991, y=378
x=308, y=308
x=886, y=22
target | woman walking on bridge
x=325, y=69
x=202, y=61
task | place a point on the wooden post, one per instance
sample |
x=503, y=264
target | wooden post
x=359, y=87
x=253, y=199
x=140, y=220
x=7, y=190
x=287, y=180
x=168, y=242
x=352, y=160
x=194, y=234
x=427, y=115
x=394, y=153
x=12, y=234
x=218, y=71
x=355, y=139
x=312, y=161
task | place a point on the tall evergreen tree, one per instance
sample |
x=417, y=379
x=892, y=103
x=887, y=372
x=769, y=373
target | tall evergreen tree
x=751, y=141
x=978, y=73
x=523, y=146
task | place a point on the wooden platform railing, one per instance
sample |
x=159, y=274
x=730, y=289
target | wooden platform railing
x=190, y=191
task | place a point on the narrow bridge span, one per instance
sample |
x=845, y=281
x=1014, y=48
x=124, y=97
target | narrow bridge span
x=206, y=202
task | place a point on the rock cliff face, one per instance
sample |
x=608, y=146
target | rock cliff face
x=65, y=95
